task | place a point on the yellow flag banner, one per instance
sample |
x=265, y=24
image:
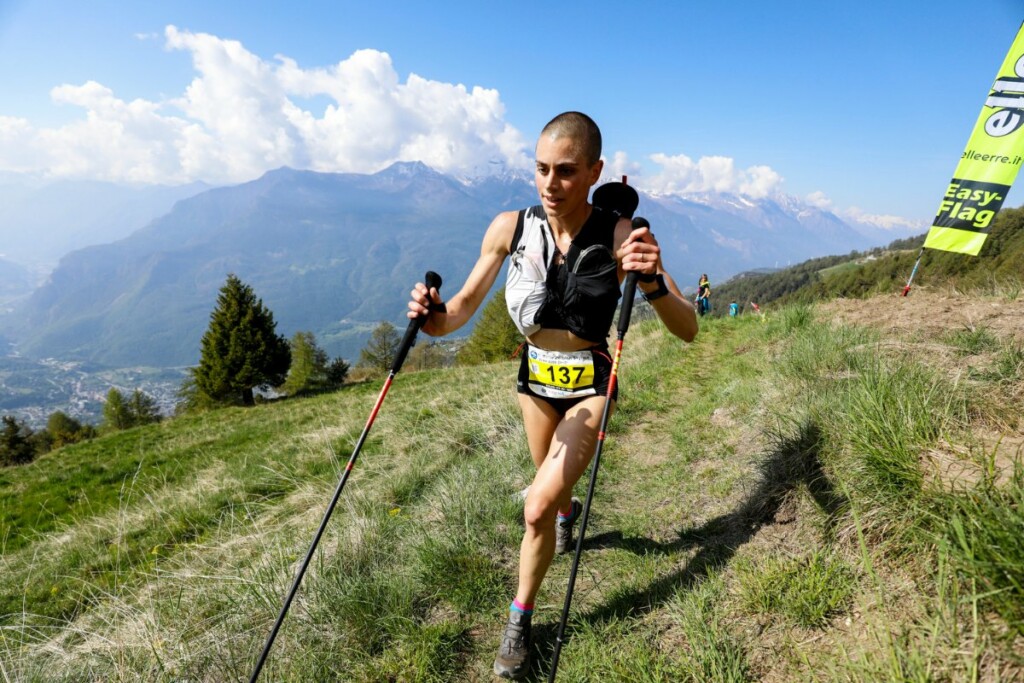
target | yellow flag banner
x=988, y=166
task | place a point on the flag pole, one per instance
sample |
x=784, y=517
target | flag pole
x=906, y=290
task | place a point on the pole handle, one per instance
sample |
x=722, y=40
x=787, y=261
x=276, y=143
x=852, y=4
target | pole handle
x=626, y=312
x=433, y=281
x=629, y=292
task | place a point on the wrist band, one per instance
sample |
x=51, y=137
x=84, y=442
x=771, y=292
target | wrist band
x=661, y=291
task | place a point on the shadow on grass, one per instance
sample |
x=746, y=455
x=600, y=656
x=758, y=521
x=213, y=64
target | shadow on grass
x=794, y=460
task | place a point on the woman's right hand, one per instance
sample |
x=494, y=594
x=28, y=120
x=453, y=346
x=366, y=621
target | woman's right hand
x=419, y=306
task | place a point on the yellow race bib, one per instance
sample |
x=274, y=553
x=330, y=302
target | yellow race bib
x=561, y=374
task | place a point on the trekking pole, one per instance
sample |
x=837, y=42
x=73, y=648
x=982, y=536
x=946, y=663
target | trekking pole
x=432, y=280
x=627, y=310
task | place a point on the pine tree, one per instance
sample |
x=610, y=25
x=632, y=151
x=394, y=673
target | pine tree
x=64, y=429
x=116, y=415
x=123, y=413
x=143, y=408
x=379, y=352
x=191, y=398
x=241, y=350
x=337, y=371
x=426, y=355
x=311, y=369
x=494, y=338
x=302, y=372
x=15, y=443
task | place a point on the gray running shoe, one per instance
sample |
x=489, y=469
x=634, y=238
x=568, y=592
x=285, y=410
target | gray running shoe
x=563, y=528
x=513, y=660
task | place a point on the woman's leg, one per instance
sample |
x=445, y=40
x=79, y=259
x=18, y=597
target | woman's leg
x=540, y=420
x=570, y=444
x=561, y=448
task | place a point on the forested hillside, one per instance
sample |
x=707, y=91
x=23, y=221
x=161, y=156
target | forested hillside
x=886, y=270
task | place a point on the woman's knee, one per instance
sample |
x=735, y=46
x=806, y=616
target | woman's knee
x=539, y=512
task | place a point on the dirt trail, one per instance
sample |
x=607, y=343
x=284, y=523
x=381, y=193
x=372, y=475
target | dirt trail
x=932, y=313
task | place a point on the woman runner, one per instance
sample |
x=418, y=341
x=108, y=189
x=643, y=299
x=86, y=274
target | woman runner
x=568, y=261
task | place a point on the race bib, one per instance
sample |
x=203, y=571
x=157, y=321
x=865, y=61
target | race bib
x=561, y=374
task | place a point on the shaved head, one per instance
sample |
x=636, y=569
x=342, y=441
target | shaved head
x=580, y=128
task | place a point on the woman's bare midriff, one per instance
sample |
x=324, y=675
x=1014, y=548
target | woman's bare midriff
x=559, y=340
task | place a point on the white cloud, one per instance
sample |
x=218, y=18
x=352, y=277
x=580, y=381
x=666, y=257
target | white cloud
x=19, y=144
x=680, y=174
x=620, y=165
x=118, y=140
x=759, y=181
x=854, y=214
x=819, y=200
x=886, y=222
x=240, y=116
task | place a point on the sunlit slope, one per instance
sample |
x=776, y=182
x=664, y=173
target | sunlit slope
x=784, y=499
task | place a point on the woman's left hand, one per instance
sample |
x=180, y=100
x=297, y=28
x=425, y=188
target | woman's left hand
x=640, y=252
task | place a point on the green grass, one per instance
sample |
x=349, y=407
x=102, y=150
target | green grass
x=838, y=268
x=810, y=590
x=982, y=527
x=1007, y=369
x=972, y=340
x=1009, y=366
x=765, y=509
x=894, y=411
x=712, y=652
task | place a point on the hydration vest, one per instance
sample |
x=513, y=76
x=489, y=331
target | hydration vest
x=576, y=293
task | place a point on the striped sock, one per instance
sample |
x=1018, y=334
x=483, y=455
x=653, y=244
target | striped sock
x=565, y=516
x=517, y=606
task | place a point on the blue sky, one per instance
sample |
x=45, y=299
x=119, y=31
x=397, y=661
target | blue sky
x=862, y=107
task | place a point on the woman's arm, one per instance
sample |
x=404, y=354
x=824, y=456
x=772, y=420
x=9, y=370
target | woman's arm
x=639, y=252
x=672, y=286
x=462, y=306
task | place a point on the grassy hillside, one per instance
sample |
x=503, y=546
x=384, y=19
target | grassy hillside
x=793, y=498
x=1000, y=263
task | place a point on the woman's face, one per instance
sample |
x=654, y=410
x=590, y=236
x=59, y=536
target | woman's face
x=562, y=176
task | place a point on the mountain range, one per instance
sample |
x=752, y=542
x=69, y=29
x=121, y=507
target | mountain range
x=41, y=222
x=336, y=253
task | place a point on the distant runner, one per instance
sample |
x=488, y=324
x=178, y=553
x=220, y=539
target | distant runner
x=703, y=302
x=734, y=309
